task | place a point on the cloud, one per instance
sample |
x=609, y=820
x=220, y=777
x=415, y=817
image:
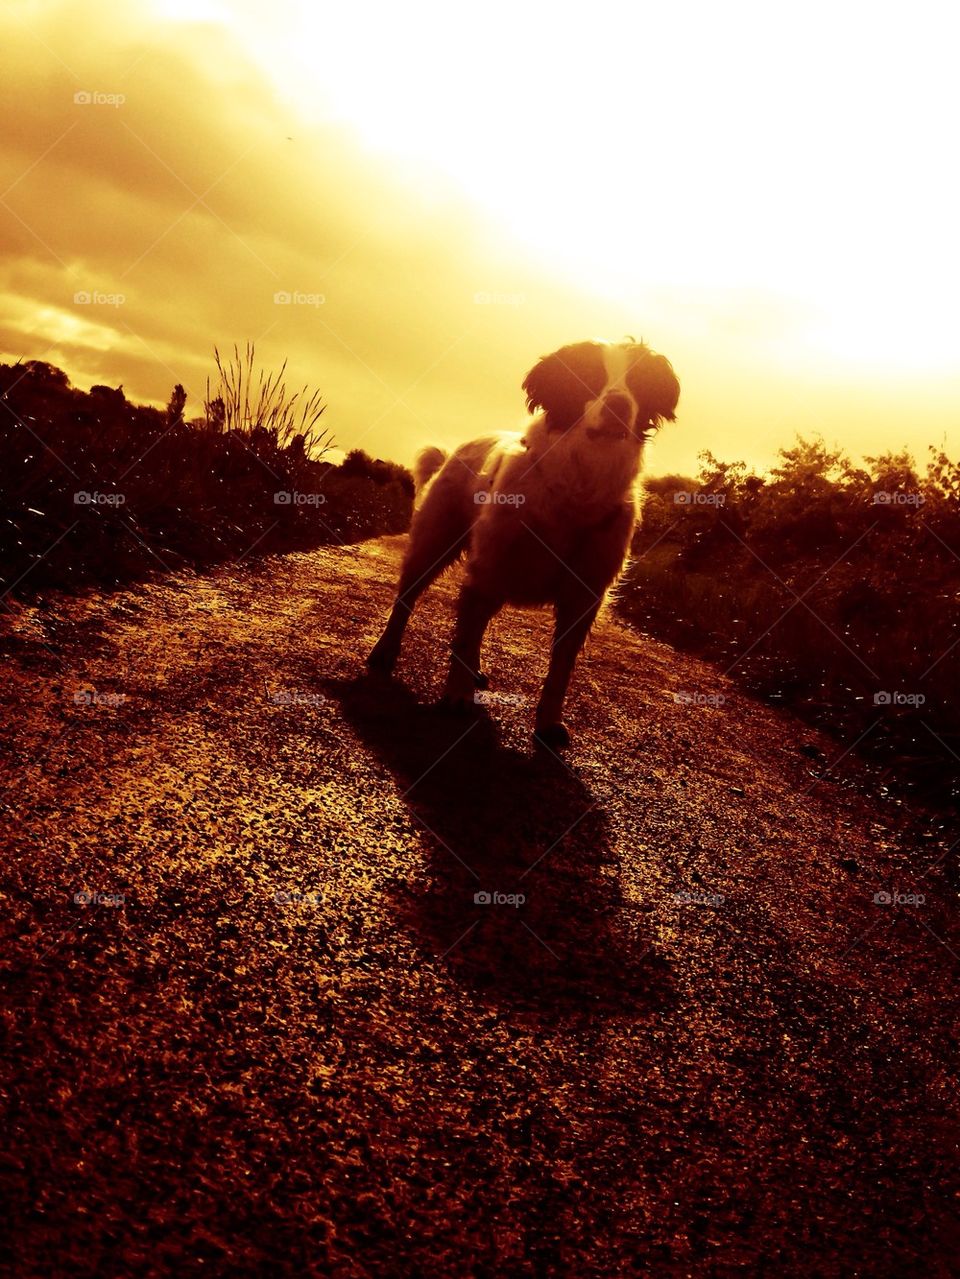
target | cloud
x=185, y=182
x=195, y=195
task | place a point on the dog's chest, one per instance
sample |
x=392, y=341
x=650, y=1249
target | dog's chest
x=574, y=491
x=529, y=560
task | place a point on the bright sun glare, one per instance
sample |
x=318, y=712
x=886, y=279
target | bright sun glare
x=784, y=155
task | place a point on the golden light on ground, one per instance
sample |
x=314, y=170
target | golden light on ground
x=764, y=194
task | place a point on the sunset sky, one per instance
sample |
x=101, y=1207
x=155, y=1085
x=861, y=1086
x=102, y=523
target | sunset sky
x=765, y=193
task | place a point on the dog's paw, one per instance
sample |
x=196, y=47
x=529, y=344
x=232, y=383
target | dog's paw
x=553, y=736
x=382, y=660
x=460, y=686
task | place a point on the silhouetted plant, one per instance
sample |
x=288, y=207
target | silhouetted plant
x=254, y=400
x=178, y=402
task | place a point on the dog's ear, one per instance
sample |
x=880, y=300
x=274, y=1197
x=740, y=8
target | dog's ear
x=562, y=383
x=655, y=387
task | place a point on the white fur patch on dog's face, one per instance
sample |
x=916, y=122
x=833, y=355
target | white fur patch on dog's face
x=613, y=414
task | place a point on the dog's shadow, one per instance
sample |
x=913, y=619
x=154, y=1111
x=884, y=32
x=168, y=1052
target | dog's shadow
x=521, y=894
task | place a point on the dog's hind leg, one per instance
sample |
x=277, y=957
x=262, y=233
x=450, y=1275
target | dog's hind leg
x=475, y=608
x=574, y=617
x=438, y=535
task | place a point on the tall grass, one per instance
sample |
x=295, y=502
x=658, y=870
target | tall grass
x=249, y=398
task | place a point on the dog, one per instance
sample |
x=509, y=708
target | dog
x=544, y=517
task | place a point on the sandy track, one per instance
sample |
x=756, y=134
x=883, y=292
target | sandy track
x=300, y=1045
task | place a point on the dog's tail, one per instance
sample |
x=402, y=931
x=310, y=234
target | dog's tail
x=429, y=461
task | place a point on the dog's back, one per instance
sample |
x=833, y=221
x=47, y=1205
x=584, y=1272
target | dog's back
x=453, y=481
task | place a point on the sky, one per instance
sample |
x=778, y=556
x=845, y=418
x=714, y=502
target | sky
x=412, y=203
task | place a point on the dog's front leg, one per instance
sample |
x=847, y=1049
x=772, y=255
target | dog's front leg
x=474, y=611
x=574, y=617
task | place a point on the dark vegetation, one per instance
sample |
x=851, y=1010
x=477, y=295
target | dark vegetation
x=95, y=489
x=824, y=586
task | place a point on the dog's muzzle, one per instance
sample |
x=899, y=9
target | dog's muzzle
x=615, y=418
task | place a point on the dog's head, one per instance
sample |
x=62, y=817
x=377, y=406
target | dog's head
x=612, y=391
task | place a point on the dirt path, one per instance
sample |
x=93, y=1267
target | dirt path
x=299, y=1045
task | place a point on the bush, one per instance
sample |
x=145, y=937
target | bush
x=94, y=488
x=821, y=585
